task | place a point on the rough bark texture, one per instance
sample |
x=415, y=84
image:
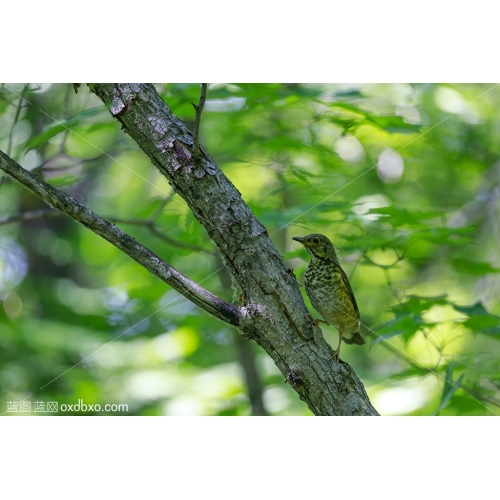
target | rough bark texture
x=273, y=314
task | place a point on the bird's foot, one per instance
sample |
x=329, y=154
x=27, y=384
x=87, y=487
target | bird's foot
x=337, y=351
x=335, y=355
x=316, y=321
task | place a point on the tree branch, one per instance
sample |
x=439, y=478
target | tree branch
x=16, y=117
x=148, y=224
x=67, y=204
x=274, y=313
x=25, y=216
x=197, y=120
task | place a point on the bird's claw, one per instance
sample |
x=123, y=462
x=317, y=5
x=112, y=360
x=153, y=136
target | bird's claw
x=316, y=321
x=335, y=355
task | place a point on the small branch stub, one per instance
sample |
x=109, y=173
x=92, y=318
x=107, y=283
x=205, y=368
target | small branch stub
x=197, y=120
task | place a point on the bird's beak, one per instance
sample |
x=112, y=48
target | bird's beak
x=298, y=238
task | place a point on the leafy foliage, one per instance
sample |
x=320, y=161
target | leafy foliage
x=450, y=387
x=412, y=207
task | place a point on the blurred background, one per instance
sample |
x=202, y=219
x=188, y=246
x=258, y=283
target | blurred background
x=404, y=178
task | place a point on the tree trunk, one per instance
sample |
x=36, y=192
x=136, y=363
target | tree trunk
x=273, y=312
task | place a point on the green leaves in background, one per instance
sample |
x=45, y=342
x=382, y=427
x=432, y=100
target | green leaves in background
x=414, y=247
x=479, y=320
x=41, y=139
x=471, y=267
x=408, y=317
x=389, y=123
x=398, y=216
x=450, y=387
x=393, y=124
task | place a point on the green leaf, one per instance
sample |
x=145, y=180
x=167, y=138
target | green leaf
x=408, y=320
x=265, y=93
x=489, y=325
x=65, y=180
x=372, y=241
x=475, y=268
x=417, y=304
x=348, y=107
x=445, y=235
x=398, y=216
x=41, y=139
x=480, y=320
x=344, y=122
x=301, y=174
x=393, y=124
x=409, y=372
x=389, y=123
x=402, y=324
x=476, y=309
x=299, y=214
x=449, y=388
x=348, y=93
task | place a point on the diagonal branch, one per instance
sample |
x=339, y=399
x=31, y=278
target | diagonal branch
x=67, y=204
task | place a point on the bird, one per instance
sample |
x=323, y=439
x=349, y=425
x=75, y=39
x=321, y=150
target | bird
x=329, y=290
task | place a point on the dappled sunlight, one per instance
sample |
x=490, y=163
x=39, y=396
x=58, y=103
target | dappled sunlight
x=349, y=149
x=90, y=142
x=225, y=105
x=13, y=264
x=177, y=344
x=363, y=205
x=421, y=348
x=452, y=101
x=276, y=399
x=241, y=174
x=406, y=397
x=403, y=178
x=82, y=301
x=151, y=385
x=13, y=305
x=390, y=166
x=410, y=114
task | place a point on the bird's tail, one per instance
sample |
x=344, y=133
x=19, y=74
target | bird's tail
x=356, y=338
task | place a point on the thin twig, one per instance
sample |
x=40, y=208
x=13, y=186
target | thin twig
x=3, y=98
x=35, y=214
x=66, y=130
x=425, y=331
x=177, y=243
x=45, y=213
x=481, y=398
x=42, y=168
x=16, y=118
x=149, y=224
x=162, y=205
x=197, y=119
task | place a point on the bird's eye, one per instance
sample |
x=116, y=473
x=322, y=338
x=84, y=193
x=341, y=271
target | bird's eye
x=316, y=240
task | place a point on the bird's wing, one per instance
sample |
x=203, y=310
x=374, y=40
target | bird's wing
x=347, y=285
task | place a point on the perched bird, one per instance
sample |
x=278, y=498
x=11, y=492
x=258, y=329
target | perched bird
x=329, y=290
